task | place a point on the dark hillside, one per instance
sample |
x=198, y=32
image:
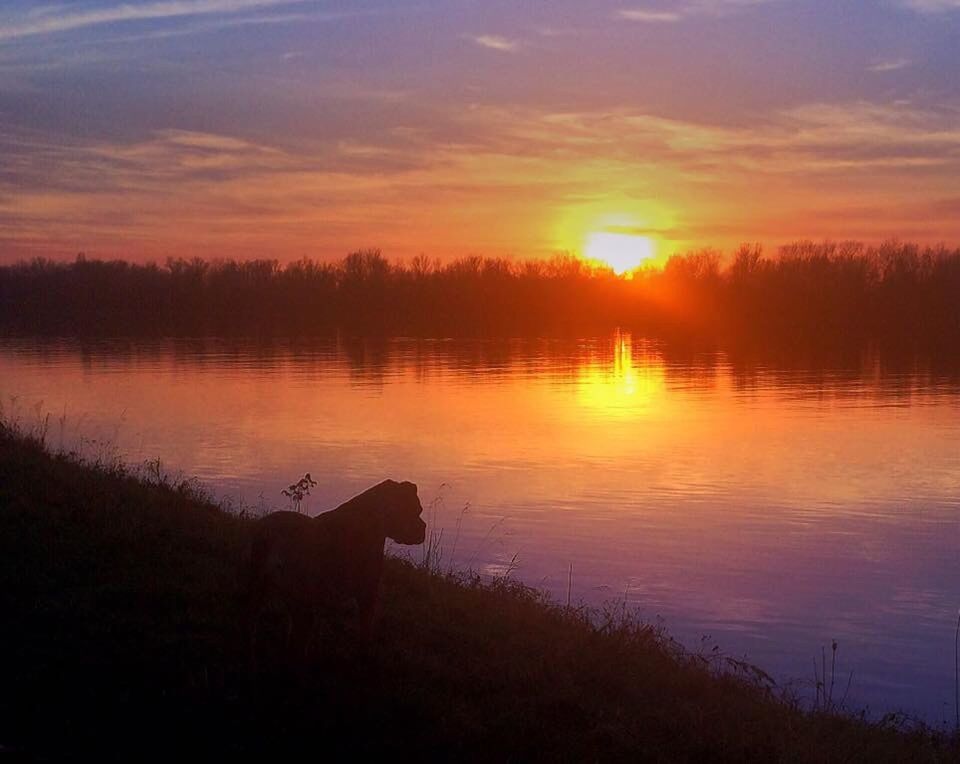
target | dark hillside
x=120, y=641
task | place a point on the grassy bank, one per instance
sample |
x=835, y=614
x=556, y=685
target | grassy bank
x=120, y=638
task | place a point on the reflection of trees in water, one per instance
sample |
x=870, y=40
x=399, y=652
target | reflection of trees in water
x=850, y=371
x=845, y=372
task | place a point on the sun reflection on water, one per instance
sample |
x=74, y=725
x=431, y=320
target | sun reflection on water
x=624, y=384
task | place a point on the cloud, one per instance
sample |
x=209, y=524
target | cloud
x=932, y=6
x=185, y=187
x=810, y=140
x=681, y=11
x=496, y=42
x=548, y=31
x=892, y=65
x=486, y=172
x=53, y=19
x=649, y=17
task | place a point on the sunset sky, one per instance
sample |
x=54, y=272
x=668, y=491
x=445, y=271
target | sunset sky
x=286, y=129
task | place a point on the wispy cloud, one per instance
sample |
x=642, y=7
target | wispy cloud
x=196, y=192
x=496, y=42
x=549, y=31
x=932, y=6
x=54, y=19
x=813, y=139
x=683, y=10
x=648, y=16
x=892, y=65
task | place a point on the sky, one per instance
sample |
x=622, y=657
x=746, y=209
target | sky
x=271, y=128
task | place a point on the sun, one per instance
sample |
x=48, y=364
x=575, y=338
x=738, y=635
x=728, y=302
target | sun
x=621, y=251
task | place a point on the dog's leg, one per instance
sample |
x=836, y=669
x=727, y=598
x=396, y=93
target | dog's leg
x=368, y=604
x=251, y=610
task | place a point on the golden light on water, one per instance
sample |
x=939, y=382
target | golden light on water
x=625, y=385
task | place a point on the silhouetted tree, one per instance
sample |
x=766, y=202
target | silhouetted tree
x=816, y=292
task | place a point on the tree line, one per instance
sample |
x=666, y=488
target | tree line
x=806, y=290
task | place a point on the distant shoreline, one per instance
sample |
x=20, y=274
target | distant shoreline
x=809, y=294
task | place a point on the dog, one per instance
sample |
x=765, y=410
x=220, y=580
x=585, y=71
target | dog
x=307, y=567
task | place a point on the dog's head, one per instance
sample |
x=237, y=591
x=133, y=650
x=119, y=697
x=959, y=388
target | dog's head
x=401, y=513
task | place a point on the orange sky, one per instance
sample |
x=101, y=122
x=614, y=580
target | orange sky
x=288, y=129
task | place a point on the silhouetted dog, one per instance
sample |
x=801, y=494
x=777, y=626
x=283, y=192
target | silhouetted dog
x=305, y=566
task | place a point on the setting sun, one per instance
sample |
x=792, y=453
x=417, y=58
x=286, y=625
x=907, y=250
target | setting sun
x=621, y=251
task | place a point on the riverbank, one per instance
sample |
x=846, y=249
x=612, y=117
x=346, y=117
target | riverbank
x=121, y=640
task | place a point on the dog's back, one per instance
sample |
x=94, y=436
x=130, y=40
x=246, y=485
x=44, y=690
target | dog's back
x=294, y=561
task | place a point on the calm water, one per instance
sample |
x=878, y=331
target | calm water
x=767, y=508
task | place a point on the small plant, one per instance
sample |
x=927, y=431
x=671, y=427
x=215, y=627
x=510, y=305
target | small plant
x=153, y=469
x=432, y=549
x=824, y=682
x=297, y=491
